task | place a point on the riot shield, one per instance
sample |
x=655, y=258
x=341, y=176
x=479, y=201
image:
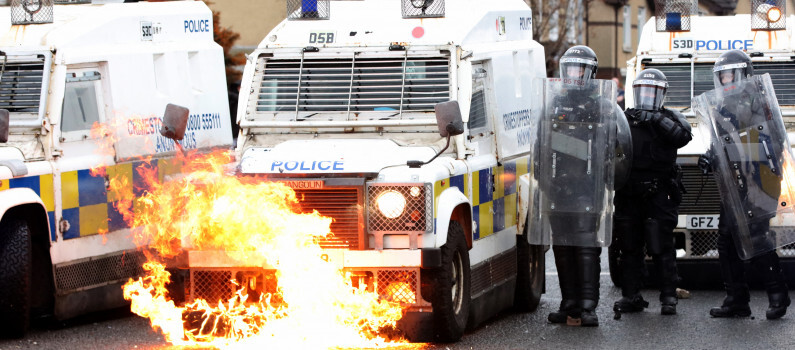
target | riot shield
x=574, y=164
x=752, y=161
x=623, y=150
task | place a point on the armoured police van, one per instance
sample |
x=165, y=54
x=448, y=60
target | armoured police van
x=64, y=248
x=338, y=102
x=685, y=48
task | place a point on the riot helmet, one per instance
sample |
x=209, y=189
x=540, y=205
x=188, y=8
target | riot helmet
x=649, y=89
x=732, y=67
x=579, y=63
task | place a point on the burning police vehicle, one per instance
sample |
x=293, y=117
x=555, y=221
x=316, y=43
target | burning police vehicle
x=65, y=246
x=408, y=125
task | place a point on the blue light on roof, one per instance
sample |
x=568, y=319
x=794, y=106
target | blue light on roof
x=309, y=5
x=673, y=21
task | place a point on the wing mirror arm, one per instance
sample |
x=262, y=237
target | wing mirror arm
x=419, y=163
x=449, y=122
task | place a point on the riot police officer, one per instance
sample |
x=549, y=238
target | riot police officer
x=577, y=264
x=742, y=107
x=647, y=207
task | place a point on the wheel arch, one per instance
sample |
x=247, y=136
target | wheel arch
x=24, y=202
x=453, y=205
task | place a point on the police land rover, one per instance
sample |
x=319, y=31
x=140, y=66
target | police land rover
x=684, y=47
x=340, y=101
x=64, y=248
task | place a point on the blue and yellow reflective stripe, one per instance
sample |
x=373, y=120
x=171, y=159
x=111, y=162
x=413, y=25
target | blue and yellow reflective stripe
x=494, y=195
x=86, y=203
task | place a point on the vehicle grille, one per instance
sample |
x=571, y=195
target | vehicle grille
x=20, y=85
x=98, y=271
x=352, y=84
x=702, y=195
x=703, y=244
x=344, y=206
x=787, y=250
x=782, y=74
x=212, y=285
x=398, y=285
x=493, y=272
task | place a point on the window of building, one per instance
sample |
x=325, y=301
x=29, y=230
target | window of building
x=627, y=42
x=641, y=21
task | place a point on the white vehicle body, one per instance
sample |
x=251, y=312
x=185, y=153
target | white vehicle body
x=366, y=107
x=119, y=65
x=687, y=58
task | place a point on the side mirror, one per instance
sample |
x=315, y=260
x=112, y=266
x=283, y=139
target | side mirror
x=4, y=120
x=448, y=118
x=175, y=121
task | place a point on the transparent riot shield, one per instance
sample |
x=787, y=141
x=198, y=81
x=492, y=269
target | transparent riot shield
x=752, y=161
x=574, y=166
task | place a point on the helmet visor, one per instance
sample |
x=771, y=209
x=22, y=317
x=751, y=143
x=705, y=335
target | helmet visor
x=729, y=74
x=576, y=68
x=649, y=94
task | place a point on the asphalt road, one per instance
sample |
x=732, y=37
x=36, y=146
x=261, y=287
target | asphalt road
x=691, y=328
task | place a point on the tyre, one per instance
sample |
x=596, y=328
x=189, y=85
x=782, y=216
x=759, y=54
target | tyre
x=15, y=277
x=450, y=294
x=530, y=274
x=614, y=263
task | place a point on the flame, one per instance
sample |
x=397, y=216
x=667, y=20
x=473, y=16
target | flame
x=788, y=178
x=256, y=223
x=401, y=291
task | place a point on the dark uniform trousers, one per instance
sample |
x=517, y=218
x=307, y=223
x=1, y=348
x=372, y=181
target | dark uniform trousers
x=645, y=216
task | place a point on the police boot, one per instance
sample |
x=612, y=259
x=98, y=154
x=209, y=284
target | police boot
x=569, y=308
x=668, y=305
x=633, y=303
x=666, y=263
x=632, y=265
x=567, y=278
x=589, y=318
x=778, y=297
x=778, y=305
x=588, y=258
x=735, y=303
x=733, y=272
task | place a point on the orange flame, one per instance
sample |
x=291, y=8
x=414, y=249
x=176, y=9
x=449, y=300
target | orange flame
x=256, y=224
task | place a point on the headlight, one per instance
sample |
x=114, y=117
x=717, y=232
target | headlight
x=391, y=203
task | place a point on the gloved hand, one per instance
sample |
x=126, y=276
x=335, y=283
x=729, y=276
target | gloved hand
x=704, y=164
x=643, y=115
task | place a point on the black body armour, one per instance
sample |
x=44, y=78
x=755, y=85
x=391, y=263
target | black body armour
x=652, y=153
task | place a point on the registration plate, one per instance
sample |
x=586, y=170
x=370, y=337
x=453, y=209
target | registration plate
x=321, y=37
x=702, y=222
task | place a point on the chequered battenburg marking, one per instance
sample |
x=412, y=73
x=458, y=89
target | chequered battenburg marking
x=494, y=195
x=87, y=204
